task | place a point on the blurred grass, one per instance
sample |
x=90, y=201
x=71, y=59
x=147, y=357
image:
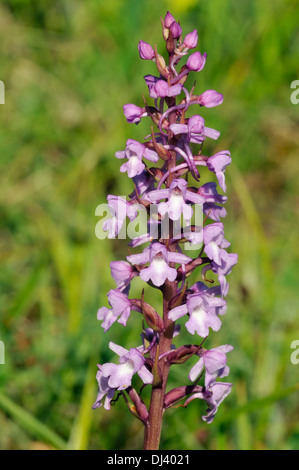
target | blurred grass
x=68, y=67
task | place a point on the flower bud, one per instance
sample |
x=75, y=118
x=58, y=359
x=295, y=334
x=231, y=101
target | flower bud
x=196, y=61
x=133, y=113
x=160, y=149
x=157, y=173
x=210, y=98
x=138, y=405
x=178, y=393
x=182, y=354
x=168, y=20
x=146, y=52
x=151, y=317
x=191, y=40
x=176, y=30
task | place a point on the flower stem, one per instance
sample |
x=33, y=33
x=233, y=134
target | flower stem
x=154, y=424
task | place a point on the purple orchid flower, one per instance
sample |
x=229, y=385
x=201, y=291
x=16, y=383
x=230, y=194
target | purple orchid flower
x=204, y=306
x=160, y=89
x=195, y=130
x=120, y=311
x=213, y=211
x=122, y=273
x=130, y=362
x=104, y=391
x=214, y=361
x=134, y=153
x=213, y=237
x=177, y=195
x=159, y=258
x=203, y=314
x=119, y=209
x=133, y=113
x=209, y=192
x=217, y=163
x=112, y=377
x=227, y=261
x=213, y=398
x=211, y=197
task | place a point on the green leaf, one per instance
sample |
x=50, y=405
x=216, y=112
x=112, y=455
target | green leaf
x=30, y=423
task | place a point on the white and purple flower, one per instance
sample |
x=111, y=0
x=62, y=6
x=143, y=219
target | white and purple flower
x=218, y=163
x=213, y=398
x=160, y=89
x=214, y=361
x=119, y=209
x=203, y=308
x=120, y=310
x=122, y=273
x=112, y=377
x=195, y=130
x=159, y=259
x=134, y=153
x=177, y=194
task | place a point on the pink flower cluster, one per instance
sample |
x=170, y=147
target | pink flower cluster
x=165, y=170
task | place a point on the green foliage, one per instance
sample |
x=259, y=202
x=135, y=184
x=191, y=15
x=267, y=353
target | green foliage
x=68, y=67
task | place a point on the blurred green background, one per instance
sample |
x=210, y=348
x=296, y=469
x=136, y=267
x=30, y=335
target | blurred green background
x=68, y=67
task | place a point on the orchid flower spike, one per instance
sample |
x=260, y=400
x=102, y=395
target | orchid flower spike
x=170, y=179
